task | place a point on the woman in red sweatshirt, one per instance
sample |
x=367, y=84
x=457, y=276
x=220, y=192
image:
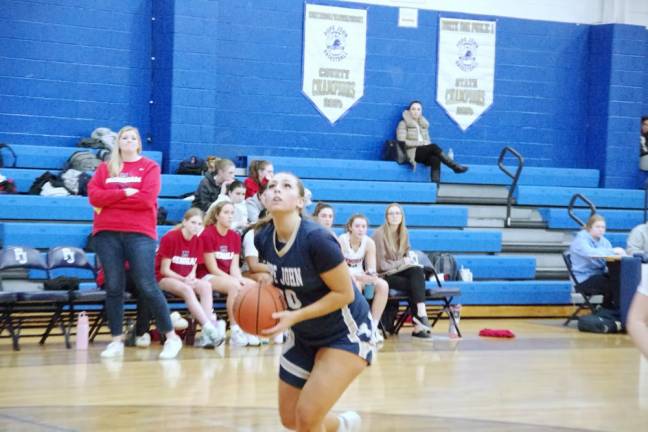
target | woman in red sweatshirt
x=123, y=193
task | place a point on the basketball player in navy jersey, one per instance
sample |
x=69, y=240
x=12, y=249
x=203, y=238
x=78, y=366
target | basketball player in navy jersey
x=327, y=319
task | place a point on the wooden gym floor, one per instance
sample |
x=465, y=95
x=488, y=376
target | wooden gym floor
x=549, y=378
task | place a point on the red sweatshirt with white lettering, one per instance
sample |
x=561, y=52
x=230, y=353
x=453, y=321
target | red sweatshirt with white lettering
x=113, y=210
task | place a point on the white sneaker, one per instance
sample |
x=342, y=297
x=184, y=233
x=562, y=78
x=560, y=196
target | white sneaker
x=178, y=322
x=350, y=421
x=172, y=347
x=213, y=335
x=221, y=327
x=253, y=340
x=202, y=341
x=237, y=337
x=114, y=349
x=278, y=339
x=143, y=341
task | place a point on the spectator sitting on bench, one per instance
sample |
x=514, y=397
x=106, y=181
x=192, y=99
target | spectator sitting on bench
x=359, y=252
x=588, y=251
x=413, y=131
x=214, y=183
x=324, y=215
x=235, y=195
x=261, y=171
x=398, y=269
x=221, y=252
x=643, y=148
x=176, y=262
x=638, y=240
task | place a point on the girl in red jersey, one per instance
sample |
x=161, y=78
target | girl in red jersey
x=261, y=171
x=123, y=193
x=221, y=249
x=176, y=262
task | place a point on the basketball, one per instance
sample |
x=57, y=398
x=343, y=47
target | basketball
x=253, y=308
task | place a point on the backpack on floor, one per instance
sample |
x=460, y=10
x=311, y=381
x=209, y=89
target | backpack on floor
x=602, y=321
x=82, y=161
x=445, y=263
x=6, y=146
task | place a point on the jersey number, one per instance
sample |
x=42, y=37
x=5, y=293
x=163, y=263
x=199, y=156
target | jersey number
x=291, y=299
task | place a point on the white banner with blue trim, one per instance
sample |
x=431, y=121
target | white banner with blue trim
x=334, y=58
x=466, y=68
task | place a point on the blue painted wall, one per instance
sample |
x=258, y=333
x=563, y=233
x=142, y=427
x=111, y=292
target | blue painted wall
x=226, y=80
x=68, y=66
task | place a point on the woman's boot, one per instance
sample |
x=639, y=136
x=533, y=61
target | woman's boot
x=454, y=166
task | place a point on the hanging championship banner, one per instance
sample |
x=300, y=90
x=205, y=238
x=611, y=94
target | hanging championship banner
x=466, y=68
x=334, y=58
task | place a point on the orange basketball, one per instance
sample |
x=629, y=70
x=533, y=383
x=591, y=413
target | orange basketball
x=253, y=308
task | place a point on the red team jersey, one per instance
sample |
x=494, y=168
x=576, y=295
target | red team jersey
x=183, y=253
x=223, y=247
x=114, y=211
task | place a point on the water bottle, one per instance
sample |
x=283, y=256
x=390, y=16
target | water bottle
x=129, y=340
x=82, y=331
x=369, y=291
x=455, y=310
x=450, y=154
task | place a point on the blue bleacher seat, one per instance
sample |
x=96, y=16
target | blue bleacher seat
x=416, y=215
x=498, y=267
x=69, y=208
x=558, y=218
x=532, y=292
x=560, y=196
x=344, y=169
x=370, y=191
x=531, y=176
x=46, y=235
x=617, y=239
x=52, y=157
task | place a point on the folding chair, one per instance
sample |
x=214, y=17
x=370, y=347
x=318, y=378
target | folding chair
x=587, y=298
x=32, y=302
x=62, y=257
x=440, y=293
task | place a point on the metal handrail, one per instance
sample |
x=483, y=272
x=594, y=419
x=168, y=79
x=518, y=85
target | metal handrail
x=570, y=208
x=645, y=218
x=515, y=176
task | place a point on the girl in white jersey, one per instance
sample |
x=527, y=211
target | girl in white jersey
x=360, y=254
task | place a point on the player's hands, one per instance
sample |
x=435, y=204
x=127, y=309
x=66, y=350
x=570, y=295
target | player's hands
x=286, y=319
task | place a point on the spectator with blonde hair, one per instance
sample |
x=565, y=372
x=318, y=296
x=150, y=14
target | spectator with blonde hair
x=123, y=194
x=221, y=252
x=398, y=269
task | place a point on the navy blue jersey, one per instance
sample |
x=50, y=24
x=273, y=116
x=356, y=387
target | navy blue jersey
x=296, y=268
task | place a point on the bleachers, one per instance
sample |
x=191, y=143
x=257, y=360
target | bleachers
x=365, y=187
x=558, y=218
x=50, y=157
x=340, y=169
x=560, y=196
x=173, y=185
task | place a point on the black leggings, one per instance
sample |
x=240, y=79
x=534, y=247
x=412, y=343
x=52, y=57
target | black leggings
x=429, y=155
x=411, y=281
